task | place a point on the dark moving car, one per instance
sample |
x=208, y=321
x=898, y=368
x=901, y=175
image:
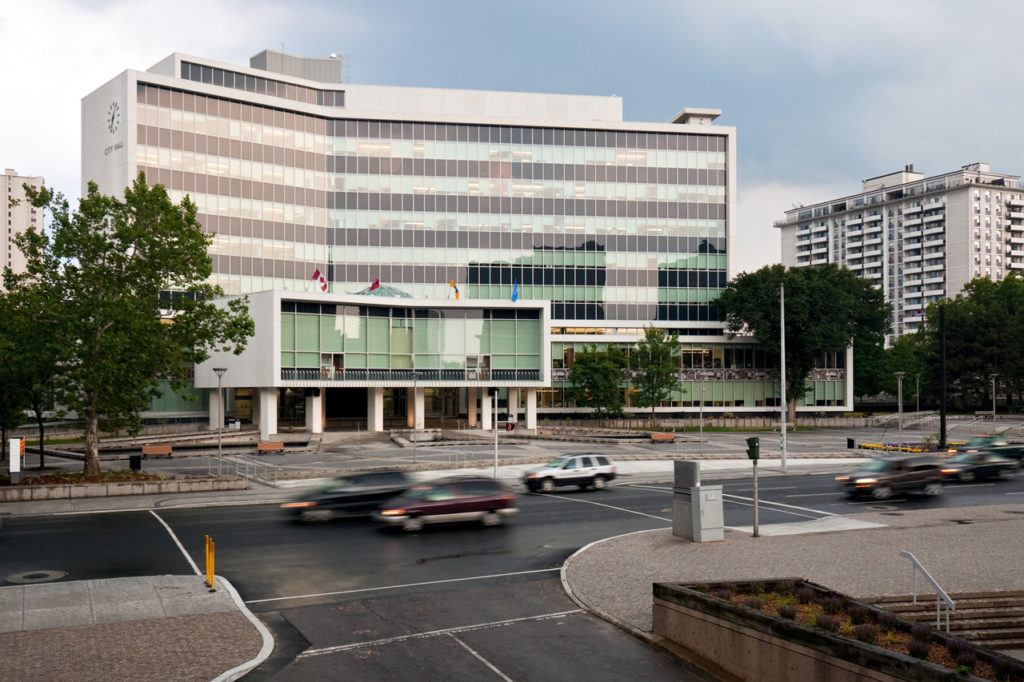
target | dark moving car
x=996, y=444
x=349, y=495
x=883, y=477
x=968, y=466
x=457, y=498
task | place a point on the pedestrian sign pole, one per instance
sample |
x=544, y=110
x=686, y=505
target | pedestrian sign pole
x=754, y=453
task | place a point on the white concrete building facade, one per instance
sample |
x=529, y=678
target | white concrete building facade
x=20, y=215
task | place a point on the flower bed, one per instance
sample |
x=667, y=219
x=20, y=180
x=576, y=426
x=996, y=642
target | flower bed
x=794, y=629
x=915, y=448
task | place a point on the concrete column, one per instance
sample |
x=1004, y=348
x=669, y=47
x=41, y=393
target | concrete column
x=485, y=410
x=531, y=408
x=216, y=409
x=471, y=400
x=513, y=404
x=375, y=409
x=315, y=412
x=418, y=408
x=268, y=412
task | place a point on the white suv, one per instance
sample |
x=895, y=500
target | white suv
x=585, y=470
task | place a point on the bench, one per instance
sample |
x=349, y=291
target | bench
x=663, y=437
x=156, y=451
x=262, y=447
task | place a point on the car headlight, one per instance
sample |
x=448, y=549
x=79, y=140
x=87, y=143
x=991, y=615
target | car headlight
x=864, y=481
x=950, y=471
x=531, y=475
x=296, y=505
x=392, y=512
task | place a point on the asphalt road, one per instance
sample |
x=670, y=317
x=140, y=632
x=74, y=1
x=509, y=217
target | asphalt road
x=458, y=602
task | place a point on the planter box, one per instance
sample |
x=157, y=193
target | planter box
x=756, y=645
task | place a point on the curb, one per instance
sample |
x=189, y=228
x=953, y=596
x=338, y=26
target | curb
x=268, y=639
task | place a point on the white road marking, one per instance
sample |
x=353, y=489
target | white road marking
x=782, y=504
x=432, y=633
x=815, y=495
x=175, y=538
x=398, y=587
x=782, y=511
x=481, y=658
x=599, y=504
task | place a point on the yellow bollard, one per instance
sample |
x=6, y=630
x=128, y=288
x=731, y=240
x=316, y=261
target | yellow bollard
x=210, y=576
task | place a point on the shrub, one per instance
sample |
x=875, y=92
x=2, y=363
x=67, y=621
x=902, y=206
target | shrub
x=866, y=632
x=832, y=605
x=756, y=587
x=887, y=620
x=921, y=632
x=918, y=649
x=788, y=611
x=858, y=614
x=785, y=587
x=1005, y=668
x=804, y=595
x=723, y=593
x=753, y=603
x=826, y=622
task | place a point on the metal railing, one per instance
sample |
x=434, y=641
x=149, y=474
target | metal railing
x=342, y=375
x=940, y=594
x=243, y=466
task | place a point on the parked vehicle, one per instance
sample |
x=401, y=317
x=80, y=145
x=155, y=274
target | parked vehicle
x=968, y=466
x=996, y=443
x=457, y=498
x=584, y=470
x=349, y=495
x=883, y=477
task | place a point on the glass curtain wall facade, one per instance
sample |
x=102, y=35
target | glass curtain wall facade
x=619, y=225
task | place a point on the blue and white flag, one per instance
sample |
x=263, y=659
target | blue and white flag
x=515, y=291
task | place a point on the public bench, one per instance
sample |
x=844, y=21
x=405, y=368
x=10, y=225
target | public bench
x=663, y=437
x=156, y=451
x=264, y=446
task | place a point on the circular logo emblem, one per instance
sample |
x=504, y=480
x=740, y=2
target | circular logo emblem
x=113, y=117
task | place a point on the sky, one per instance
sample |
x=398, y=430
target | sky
x=822, y=94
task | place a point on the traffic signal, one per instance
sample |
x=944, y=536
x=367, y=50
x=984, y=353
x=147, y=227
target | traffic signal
x=509, y=426
x=753, y=447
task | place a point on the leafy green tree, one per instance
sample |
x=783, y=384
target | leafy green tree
x=13, y=378
x=100, y=270
x=870, y=364
x=596, y=380
x=905, y=356
x=657, y=368
x=827, y=307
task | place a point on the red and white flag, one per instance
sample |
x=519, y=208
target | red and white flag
x=321, y=280
x=376, y=283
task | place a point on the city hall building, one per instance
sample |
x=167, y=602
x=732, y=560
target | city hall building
x=467, y=240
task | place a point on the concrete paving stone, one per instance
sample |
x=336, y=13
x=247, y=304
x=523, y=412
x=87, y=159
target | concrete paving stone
x=12, y=602
x=116, y=611
x=69, y=615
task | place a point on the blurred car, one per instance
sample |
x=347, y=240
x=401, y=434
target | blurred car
x=968, y=466
x=349, y=495
x=445, y=500
x=883, y=477
x=997, y=444
x=584, y=470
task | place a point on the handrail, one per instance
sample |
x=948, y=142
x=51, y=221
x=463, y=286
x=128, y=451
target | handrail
x=940, y=594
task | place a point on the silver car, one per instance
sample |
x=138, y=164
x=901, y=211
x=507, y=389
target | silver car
x=584, y=470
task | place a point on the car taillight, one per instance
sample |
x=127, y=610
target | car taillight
x=296, y=505
x=508, y=498
x=613, y=467
x=392, y=512
x=842, y=478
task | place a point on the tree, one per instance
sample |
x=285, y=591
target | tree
x=904, y=356
x=101, y=270
x=596, y=380
x=827, y=307
x=657, y=368
x=13, y=394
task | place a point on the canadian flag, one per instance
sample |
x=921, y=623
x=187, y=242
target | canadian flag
x=321, y=280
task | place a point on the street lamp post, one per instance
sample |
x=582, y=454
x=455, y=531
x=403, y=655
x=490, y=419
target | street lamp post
x=219, y=371
x=899, y=397
x=993, y=378
x=702, y=412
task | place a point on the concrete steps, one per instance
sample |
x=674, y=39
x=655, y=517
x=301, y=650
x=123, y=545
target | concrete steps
x=993, y=619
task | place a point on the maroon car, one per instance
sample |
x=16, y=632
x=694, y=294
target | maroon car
x=457, y=498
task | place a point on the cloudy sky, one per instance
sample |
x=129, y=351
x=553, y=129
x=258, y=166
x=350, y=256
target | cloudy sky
x=822, y=94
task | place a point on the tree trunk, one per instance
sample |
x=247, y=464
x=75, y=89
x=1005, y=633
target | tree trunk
x=92, y=443
x=791, y=412
x=42, y=450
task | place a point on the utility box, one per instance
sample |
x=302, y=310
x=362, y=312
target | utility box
x=696, y=510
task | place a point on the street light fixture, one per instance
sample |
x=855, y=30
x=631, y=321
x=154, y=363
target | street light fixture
x=219, y=371
x=993, y=378
x=899, y=397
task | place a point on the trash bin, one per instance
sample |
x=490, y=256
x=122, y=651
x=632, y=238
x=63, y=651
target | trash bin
x=135, y=462
x=851, y=444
